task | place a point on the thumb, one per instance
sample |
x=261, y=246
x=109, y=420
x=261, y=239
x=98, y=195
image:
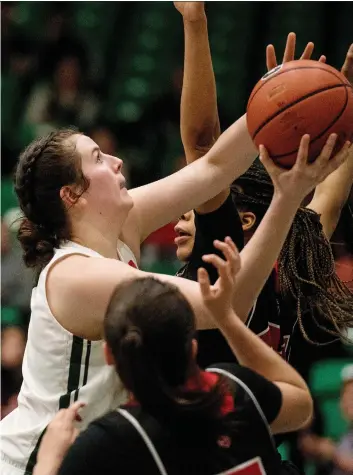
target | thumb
x=267, y=161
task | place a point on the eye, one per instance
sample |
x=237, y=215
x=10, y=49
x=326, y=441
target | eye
x=99, y=157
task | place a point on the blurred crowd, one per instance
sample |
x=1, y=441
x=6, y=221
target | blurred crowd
x=49, y=81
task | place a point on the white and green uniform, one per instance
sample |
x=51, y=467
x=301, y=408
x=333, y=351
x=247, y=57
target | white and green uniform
x=58, y=368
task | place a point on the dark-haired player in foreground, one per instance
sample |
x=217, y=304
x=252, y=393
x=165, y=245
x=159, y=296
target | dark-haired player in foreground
x=304, y=278
x=181, y=420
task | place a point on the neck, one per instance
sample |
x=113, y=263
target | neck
x=99, y=238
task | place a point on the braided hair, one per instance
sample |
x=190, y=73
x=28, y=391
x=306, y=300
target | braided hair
x=44, y=167
x=306, y=266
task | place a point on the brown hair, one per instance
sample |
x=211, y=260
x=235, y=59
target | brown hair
x=44, y=167
x=149, y=327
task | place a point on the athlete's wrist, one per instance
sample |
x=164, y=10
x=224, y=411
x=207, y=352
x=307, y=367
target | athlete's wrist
x=291, y=201
x=46, y=468
x=194, y=24
x=229, y=322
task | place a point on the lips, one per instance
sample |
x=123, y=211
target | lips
x=182, y=235
x=181, y=232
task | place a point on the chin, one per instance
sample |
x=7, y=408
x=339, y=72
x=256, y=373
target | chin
x=183, y=254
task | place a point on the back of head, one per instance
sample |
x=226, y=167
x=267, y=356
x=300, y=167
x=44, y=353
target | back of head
x=44, y=167
x=306, y=267
x=149, y=328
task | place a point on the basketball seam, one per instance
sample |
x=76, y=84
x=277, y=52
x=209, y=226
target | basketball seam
x=294, y=69
x=297, y=101
x=321, y=133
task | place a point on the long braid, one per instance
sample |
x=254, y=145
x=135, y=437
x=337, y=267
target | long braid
x=25, y=183
x=306, y=266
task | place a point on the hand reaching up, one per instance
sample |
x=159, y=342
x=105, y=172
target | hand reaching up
x=218, y=297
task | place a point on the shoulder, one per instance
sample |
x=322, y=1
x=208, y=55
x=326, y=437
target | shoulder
x=260, y=393
x=82, y=287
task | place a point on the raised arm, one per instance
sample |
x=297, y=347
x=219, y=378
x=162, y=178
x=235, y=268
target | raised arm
x=165, y=200
x=252, y=352
x=259, y=255
x=199, y=123
x=331, y=195
x=87, y=298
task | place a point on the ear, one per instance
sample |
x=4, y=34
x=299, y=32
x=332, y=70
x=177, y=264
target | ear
x=69, y=195
x=248, y=219
x=108, y=355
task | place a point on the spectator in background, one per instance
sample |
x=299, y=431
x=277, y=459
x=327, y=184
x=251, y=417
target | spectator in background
x=18, y=69
x=16, y=286
x=158, y=132
x=325, y=451
x=16, y=279
x=59, y=36
x=64, y=100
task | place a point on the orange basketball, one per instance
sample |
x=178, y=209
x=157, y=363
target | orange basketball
x=297, y=98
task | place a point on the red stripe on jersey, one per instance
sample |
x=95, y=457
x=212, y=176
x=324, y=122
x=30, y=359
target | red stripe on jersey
x=204, y=381
x=266, y=337
x=275, y=332
x=132, y=264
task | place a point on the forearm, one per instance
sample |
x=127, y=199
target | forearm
x=46, y=469
x=234, y=151
x=331, y=195
x=161, y=202
x=253, y=353
x=343, y=461
x=199, y=116
x=199, y=124
x=261, y=252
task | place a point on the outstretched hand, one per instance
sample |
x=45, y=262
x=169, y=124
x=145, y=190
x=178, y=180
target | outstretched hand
x=347, y=68
x=191, y=11
x=218, y=297
x=303, y=177
x=58, y=438
x=289, y=52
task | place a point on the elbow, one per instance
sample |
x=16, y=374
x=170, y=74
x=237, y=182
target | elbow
x=306, y=413
x=201, y=140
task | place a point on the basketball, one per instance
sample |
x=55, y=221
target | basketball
x=297, y=98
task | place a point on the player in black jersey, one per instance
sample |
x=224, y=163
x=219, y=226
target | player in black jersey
x=250, y=197
x=181, y=420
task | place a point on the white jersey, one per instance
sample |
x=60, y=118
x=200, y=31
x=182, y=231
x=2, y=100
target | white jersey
x=58, y=369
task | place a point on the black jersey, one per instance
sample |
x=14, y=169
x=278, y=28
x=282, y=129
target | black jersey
x=264, y=317
x=131, y=441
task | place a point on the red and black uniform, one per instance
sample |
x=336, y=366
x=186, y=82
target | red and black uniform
x=130, y=440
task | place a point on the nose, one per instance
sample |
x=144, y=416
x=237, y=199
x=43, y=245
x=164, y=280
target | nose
x=118, y=165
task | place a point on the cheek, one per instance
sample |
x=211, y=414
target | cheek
x=102, y=182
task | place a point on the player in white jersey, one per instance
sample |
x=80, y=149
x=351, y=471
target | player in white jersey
x=76, y=208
